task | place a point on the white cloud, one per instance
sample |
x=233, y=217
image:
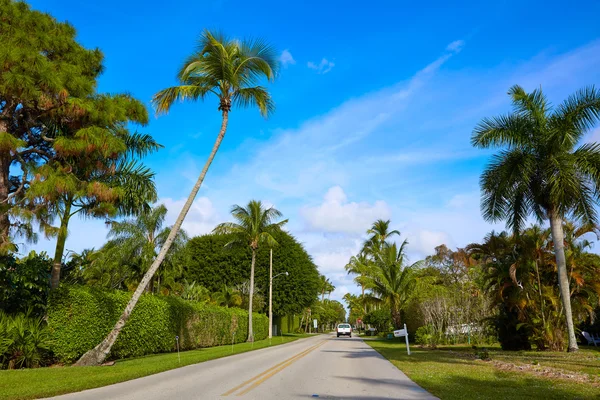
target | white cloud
x=323, y=67
x=201, y=218
x=336, y=214
x=286, y=58
x=593, y=136
x=456, y=46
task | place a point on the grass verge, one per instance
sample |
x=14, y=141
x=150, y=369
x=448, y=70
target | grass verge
x=454, y=372
x=45, y=382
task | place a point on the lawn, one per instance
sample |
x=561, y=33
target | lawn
x=454, y=372
x=44, y=382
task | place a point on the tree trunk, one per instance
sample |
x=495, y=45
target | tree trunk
x=363, y=299
x=563, y=280
x=250, y=330
x=98, y=354
x=60, y=246
x=5, y=161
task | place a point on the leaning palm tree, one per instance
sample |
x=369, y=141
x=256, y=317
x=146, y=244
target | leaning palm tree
x=542, y=169
x=255, y=225
x=231, y=70
x=394, y=281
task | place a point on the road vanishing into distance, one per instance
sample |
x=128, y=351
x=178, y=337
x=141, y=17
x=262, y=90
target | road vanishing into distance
x=318, y=367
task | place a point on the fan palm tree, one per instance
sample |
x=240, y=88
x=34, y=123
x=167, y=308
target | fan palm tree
x=394, y=281
x=231, y=70
x=541, y=169
x=255, y=225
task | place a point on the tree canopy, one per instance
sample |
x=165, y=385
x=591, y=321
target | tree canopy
x=210, y=264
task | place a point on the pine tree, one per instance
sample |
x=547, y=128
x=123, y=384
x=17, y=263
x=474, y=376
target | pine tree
x=44, y=73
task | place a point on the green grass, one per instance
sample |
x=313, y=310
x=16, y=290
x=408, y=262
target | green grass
x=449, y=373
x=45, y=382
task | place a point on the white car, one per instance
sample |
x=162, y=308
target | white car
x=344, y=329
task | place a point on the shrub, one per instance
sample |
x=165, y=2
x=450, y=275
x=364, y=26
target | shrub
x=79, y=318
x=24, y=341
x=24, y=283
x=380, y=319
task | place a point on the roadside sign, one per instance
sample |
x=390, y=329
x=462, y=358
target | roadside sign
x=358, y=321
x=315, y=323
x=403, y=332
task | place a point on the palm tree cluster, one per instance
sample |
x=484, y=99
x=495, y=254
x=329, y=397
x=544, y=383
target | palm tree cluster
x=543, y=169
x=382, y=271
x=519, y=276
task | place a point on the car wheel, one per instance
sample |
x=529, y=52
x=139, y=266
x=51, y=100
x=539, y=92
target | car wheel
x=338, y=335
x=350, y=335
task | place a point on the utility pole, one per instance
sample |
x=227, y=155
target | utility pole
x=271, y=294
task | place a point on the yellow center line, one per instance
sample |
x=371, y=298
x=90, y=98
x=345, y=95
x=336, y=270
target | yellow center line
x=273, y=372
x=289, y=360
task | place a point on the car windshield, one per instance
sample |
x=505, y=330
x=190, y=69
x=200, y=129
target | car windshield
x=343, y=326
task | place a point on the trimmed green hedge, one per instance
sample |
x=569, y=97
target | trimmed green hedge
x=79, y=318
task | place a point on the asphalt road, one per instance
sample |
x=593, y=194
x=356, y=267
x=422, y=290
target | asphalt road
x=318, y=367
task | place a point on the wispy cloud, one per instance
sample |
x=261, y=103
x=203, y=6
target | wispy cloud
x=286, y=58
x=323, y=67
x=456, y=46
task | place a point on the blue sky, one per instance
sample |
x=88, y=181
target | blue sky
x=375, y=108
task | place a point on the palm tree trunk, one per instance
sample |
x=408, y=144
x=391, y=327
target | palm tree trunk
x=363, y=298
x=563, y=281
x=99, y=353
x=250, y=330
x=60, y=246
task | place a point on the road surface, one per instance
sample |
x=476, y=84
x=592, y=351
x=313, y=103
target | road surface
x=318, y=367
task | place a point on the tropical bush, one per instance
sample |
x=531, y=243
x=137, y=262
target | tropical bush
x=24, y=283
x=380, y=319
x=80, y=317
x=25, y=341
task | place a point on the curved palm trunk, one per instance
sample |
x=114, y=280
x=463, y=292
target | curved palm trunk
x=250, y=330
x=99, y=353
x=563, y=280
x=60, y=246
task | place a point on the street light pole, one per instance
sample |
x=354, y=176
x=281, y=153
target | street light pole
x=271, y=294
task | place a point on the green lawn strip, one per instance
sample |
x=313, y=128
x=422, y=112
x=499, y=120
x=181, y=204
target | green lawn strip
x=45, y=382
x=447, y=375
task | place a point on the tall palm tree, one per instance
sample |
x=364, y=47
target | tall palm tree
x=230, y=69
x=362, y=267
x=379, y=233
x=542, y=170
x=255, y=225
x=326, y=286
x=394, y=281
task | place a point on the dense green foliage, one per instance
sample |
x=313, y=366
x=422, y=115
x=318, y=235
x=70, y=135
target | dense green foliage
x=44, y=74
x=544, y=168
x=24, y=283
x=210, y=264
x=25, y=341
x=80, y=317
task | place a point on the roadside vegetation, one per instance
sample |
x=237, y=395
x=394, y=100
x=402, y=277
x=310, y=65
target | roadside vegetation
x=68, y=150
